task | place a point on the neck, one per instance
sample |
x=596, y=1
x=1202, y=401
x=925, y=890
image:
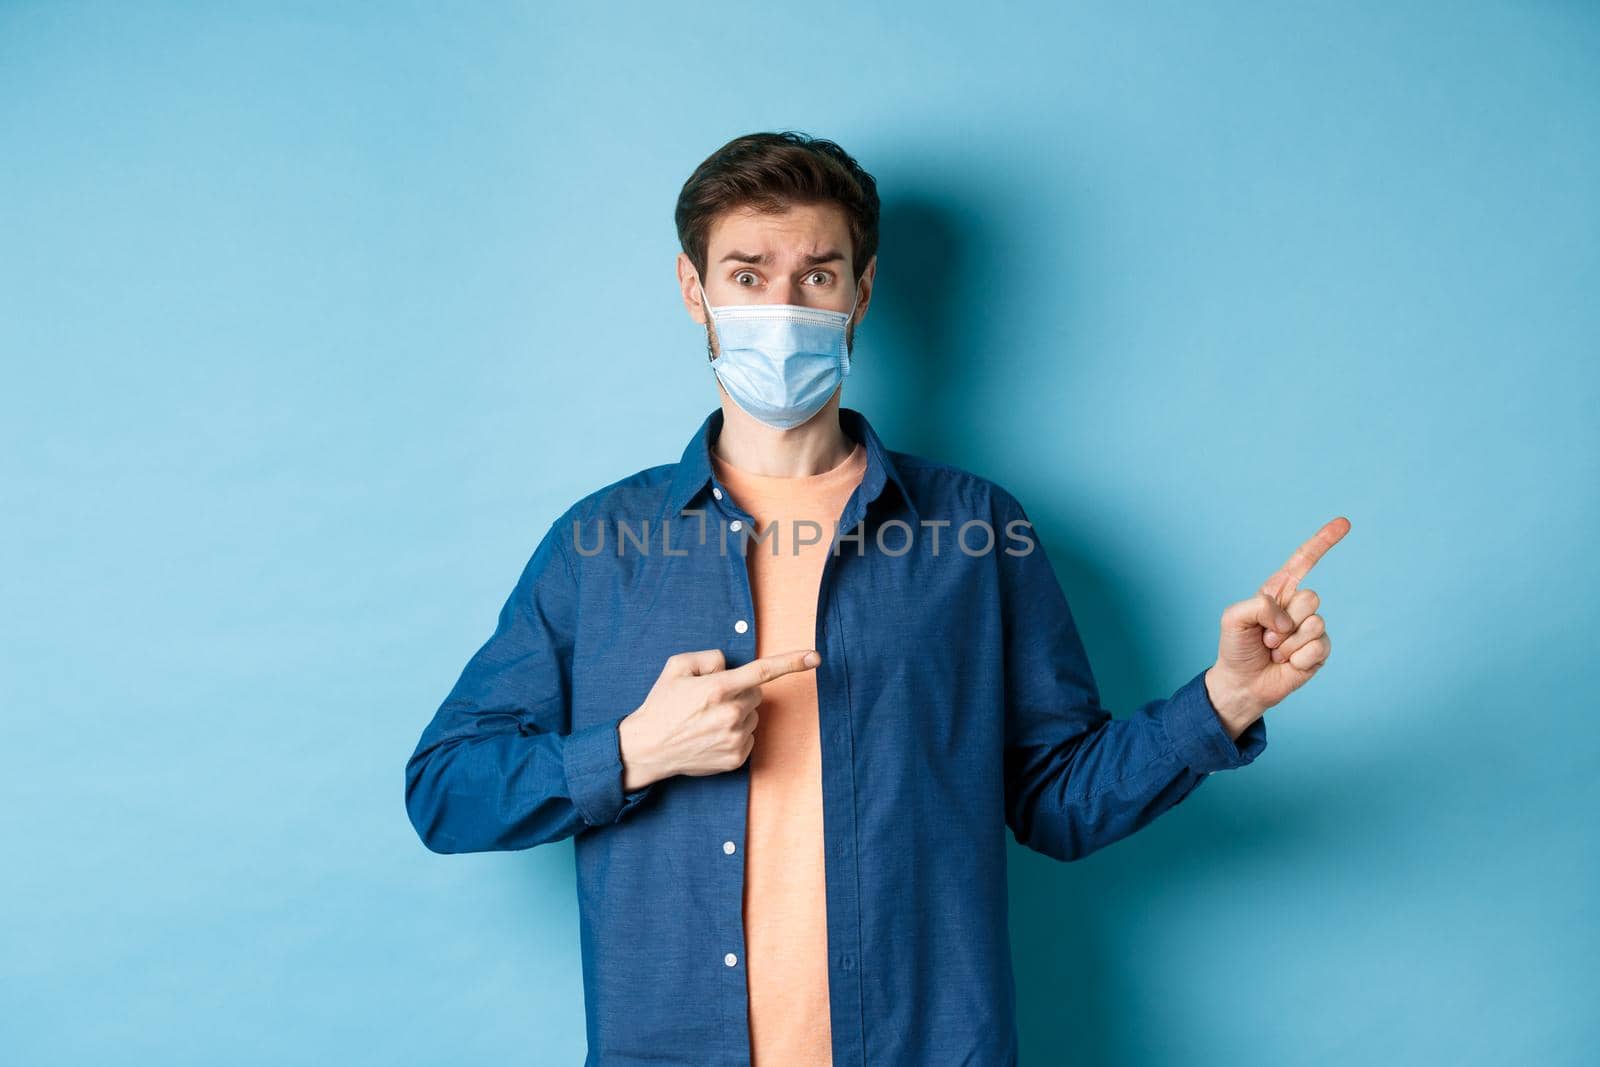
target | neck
x=817, y=445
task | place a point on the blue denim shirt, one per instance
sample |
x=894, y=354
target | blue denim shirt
x=955, y=700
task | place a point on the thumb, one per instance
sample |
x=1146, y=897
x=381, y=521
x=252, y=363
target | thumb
x=1260, y=610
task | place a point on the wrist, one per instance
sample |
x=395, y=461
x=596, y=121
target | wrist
x=638, y=770
x=1233, y=703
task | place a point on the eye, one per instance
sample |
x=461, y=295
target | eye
x=745, y=274
x=826, y=276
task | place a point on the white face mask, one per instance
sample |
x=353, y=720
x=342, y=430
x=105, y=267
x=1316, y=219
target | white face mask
x=780, y=362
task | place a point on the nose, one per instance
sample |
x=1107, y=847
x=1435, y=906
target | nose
x=785, y=291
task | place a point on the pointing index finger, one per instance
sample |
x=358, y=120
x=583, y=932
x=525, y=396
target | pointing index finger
x=1287, y=578
x=767, y=668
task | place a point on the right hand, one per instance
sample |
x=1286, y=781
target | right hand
x=699, y=718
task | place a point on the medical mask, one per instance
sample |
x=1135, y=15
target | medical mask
x=780, y=362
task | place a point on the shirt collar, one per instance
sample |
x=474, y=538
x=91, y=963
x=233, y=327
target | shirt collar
x=693, y=472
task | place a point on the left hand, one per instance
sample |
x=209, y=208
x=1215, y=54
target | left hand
x=1273, y=642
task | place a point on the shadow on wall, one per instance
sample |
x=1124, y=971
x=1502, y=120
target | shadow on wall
x=918, y=329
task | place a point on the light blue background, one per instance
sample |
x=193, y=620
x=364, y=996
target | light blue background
x=313, y=317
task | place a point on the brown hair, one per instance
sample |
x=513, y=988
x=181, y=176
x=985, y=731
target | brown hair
x=770, y=172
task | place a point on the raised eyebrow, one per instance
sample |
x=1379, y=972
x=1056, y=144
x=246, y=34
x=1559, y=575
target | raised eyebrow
x=763, y=259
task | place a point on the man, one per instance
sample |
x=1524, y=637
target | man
x=787, y=694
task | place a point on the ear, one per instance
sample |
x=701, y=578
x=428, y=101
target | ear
x=867, y=276
x=689, y=288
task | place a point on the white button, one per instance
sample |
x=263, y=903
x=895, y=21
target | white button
x=727, y=846
x=716, y=492
x=730, y=959
x=741, y=626
x=735, y=525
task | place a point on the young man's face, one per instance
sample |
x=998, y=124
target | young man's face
x=801, y=256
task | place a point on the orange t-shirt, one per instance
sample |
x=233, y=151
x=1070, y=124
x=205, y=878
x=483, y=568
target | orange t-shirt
x=785, y=893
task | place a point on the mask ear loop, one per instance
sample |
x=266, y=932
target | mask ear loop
x=844, y=364
x=711, y=320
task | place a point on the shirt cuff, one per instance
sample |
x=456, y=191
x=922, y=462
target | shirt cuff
x=593, y=761
x=1196, y=732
